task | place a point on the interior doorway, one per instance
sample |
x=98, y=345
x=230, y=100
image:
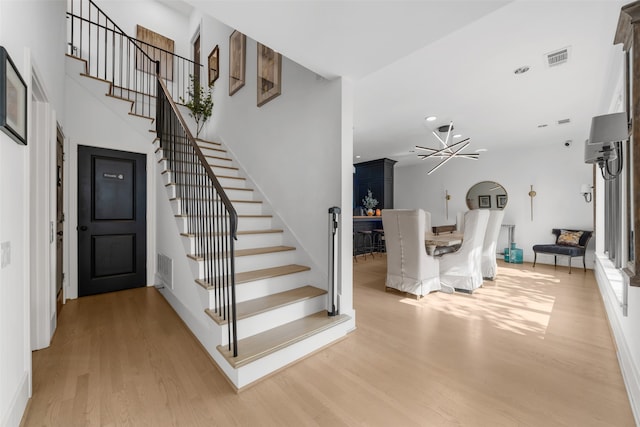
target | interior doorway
x=112, y=220
x=59, y=219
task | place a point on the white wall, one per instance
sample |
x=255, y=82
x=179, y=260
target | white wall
x=21, y=27
x=152, y=15
x=556, y=173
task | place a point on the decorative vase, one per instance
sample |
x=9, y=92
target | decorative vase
x=378, y=213
x=369, y=212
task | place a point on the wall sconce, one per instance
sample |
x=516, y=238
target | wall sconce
x=532, y=194
x=447, y=197
x=585, y=190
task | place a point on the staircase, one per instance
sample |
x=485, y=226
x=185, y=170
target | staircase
x=264, y=306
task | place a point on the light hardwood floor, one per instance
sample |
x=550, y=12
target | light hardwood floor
x=532, y=348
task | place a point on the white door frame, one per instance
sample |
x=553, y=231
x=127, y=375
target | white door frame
x=42, y=246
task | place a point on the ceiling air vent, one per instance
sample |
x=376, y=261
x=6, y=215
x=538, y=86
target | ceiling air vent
x=558, y=57
x=564, y=121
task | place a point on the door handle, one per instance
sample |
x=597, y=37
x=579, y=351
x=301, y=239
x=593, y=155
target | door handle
x=59, y=233
x=83, y=228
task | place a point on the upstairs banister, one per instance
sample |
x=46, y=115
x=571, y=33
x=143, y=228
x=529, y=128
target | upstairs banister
x=127, y=63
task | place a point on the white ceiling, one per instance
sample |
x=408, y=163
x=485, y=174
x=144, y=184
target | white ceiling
x=451, y=59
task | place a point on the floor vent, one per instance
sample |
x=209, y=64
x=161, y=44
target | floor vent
x=558, y=57
x=165, y=270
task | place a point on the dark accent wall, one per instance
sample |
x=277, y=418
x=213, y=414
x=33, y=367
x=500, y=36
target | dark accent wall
x=376, y=175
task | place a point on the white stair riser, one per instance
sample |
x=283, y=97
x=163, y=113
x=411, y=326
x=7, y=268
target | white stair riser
x=248, y=208
x=250, y=241
x=273, y=285
x=239, y=194
x=210, y=151
x=241, y=208
x=244, y=224
x=244, y=241
x=172, y=191
x=216, y=170
x=258, y=369
x=168, y=178
x=279, y=316
x=219, y=162
x=254, y=223
x=249, y=263
x=205, y=150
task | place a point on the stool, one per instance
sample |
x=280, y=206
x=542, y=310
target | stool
x=378, y=240
x=366, y=242
x=355, y=258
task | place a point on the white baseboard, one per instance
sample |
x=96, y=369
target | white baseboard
x=630, y=374
x=18, y=404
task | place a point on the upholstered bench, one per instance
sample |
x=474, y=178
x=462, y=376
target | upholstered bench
x=569, y=243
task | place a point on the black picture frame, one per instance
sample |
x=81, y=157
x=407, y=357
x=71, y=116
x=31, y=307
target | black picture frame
x=13, y=100
x=213, y=61
x=484, y=202
x=501, y=200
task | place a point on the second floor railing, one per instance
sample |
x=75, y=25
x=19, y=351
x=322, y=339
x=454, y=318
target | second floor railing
x=127, y=63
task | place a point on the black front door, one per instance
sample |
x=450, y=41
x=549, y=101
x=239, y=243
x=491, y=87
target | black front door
x=112, y=231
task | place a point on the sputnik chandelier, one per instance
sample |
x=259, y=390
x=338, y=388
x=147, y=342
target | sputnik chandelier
x=447, y=152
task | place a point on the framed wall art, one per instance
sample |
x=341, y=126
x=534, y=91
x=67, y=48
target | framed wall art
x=484, y=202
x=159, y=48
x=237, y=49
x=501, y=200
x=13, y=100
x=214, y=65
x=269, y=74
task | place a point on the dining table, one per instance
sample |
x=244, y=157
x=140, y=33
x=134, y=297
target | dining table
x=443, y=242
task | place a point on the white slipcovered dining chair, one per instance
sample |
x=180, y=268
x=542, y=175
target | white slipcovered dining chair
x=489, y=264
x=409, y=268
x=462, y=269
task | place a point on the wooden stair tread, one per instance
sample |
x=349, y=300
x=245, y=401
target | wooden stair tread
x=222, y=216
x=232, y=201
x=208, y=142
x=193, y=185
x=212, y=166
x=244, y=232
x=260, y=345
x=257, y=306
x=211, y=156
x=265, y=273
x=252, y=251
x=217, y=176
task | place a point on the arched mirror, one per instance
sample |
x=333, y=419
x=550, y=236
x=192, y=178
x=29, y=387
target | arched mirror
x=487, y=195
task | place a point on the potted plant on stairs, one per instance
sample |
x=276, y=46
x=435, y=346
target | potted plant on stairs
x=200, y=103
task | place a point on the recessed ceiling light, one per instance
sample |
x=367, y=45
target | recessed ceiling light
x=457, y=135
x=521, y=70
x=357, y=157
x=431, y=118
x=543, y=125
x=481, y=150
